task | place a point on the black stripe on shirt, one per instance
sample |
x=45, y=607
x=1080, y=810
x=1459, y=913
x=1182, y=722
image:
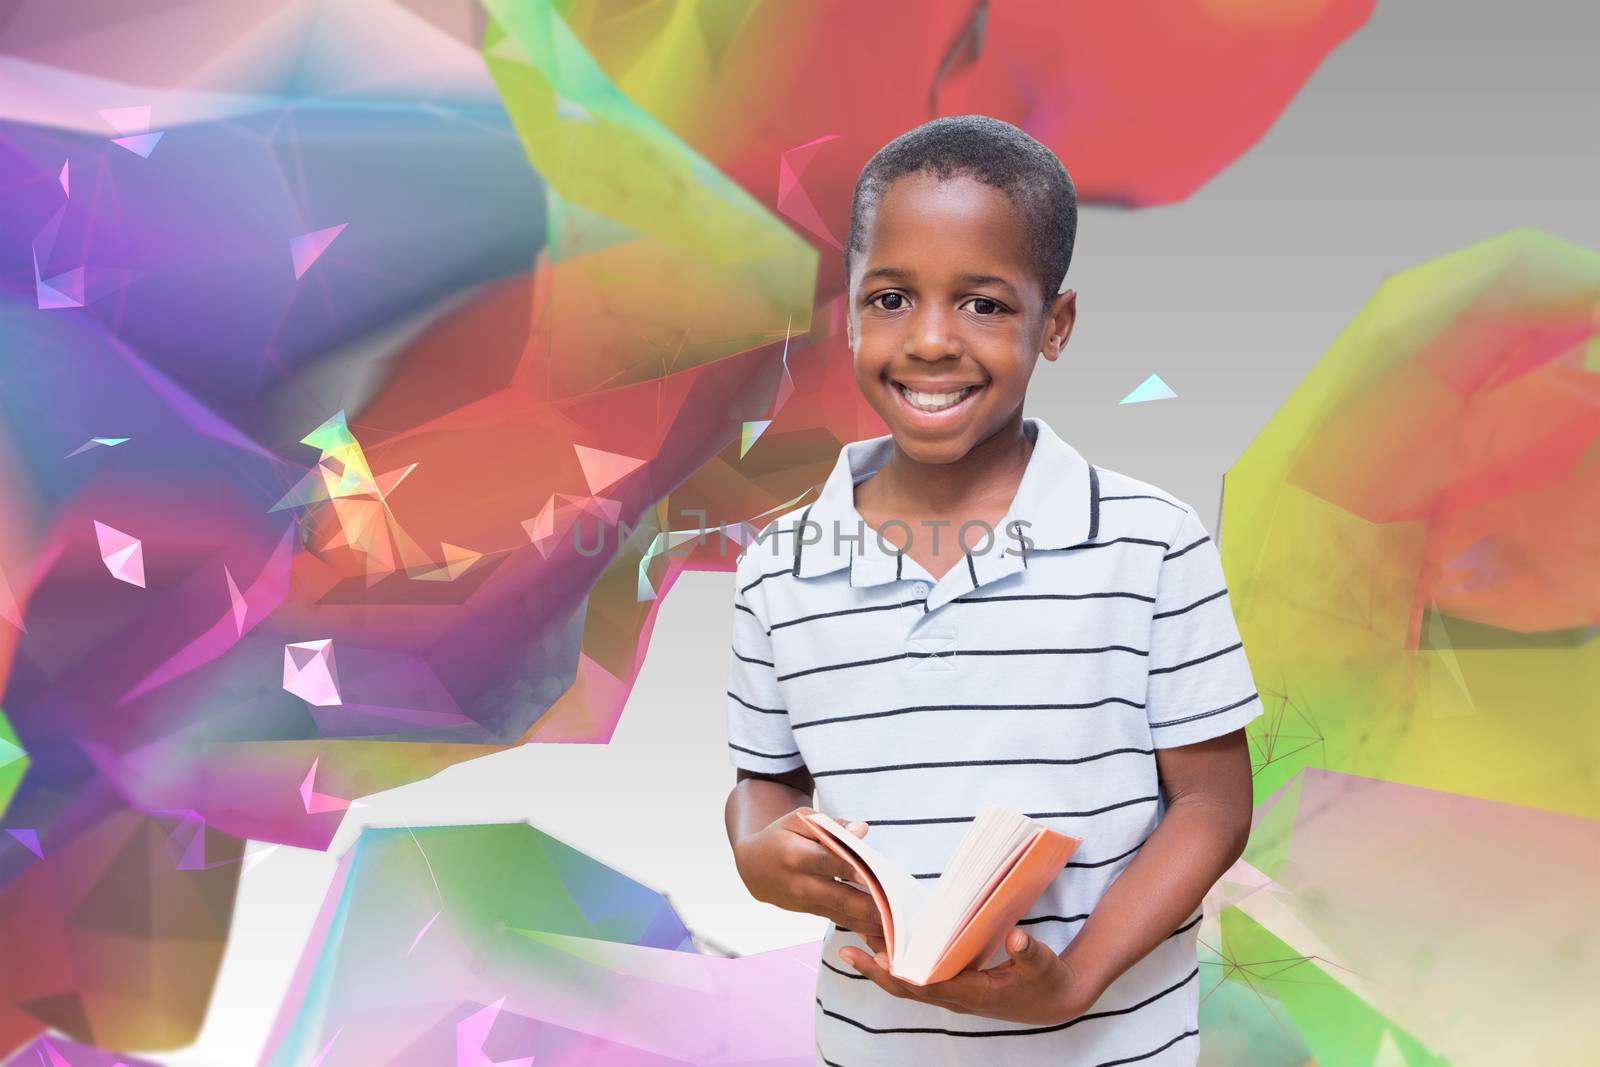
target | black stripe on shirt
x=967, y=707
x=1016, y=1031
x=1146, y=1055
x=1205, y=714
x=843, y=666
x=1071, y=863
x=752, y=659
x=1187, y=547
x=1105, y=862
x=1200, y=659
x=1163, y=545
x=1145, y=496
x=1094, y=503
x=800, y=537
x=984, y=762
x=1052, y=919
x=1031, y=815
x=838, y=970
x=892, y=606
x=1198, y=916
x=1057, y=596
x=976, y=652
x=763, y=755
x=1190, y=607
x=753, y=707
x=1120, y=540
x=758, y=581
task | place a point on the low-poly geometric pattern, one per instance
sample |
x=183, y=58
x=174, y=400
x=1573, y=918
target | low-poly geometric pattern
x=474, y=944
x=60, y=1052
x=1412, y=545
x=1415, y=536
x=13, y=762
x=367, y=378
x=115, y=935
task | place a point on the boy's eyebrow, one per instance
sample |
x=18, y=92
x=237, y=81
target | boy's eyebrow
x=900, y=273
x=986, y=279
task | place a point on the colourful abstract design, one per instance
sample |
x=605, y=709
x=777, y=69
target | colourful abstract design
x=336, y=335
x=59, y=1052
x=13, y=762
x=503, y=934
x=1413, y=549
x=121, y=926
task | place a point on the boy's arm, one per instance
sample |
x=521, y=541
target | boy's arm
x=1204, y=830
x=776, y=857
x=757, y=800
x=1200, y=695
x=772, y=776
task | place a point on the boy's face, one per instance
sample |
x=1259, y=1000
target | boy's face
x=942, y=298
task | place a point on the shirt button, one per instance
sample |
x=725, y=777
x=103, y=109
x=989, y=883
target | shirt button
x=921, y=589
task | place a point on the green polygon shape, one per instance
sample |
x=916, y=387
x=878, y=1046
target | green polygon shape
x=13, y=762
x=1338, y=1026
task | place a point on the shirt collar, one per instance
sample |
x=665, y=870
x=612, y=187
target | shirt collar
x=1057, y=502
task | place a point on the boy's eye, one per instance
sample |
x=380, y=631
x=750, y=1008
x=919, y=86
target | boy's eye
x=981, y=304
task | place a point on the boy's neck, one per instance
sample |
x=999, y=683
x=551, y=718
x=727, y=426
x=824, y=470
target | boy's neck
x=994, y=466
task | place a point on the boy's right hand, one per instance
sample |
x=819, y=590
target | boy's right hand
x=784, y=865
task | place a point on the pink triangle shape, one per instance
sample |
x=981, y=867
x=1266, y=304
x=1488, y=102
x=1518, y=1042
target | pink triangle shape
x=308, y=247
x=141, y=144
x=122, y=554
x=602, y=469
x=126, y=120
x=236, y=599
x=8, y=605
x=792, y=198
x=62, y=291
x=29, y=839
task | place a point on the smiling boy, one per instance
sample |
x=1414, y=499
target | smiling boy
x=970, y=611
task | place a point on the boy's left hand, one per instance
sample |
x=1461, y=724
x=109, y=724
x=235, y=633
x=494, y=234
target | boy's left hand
x=1034, y=986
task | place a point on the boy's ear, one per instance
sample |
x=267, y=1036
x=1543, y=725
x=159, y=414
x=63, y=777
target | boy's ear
x=1059, y=320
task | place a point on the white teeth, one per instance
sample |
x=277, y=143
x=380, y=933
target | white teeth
x=935, y=401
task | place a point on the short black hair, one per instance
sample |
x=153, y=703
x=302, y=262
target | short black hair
x=991, y=151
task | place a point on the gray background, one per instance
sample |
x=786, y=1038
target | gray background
x=1438, y=125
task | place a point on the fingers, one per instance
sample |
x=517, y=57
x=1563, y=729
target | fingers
x=877, y=968
x=875, y=943
x=813, y=857
x=807, y=855
x=850, y=908
x=798, y=826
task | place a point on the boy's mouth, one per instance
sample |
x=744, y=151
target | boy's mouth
x=937, y=402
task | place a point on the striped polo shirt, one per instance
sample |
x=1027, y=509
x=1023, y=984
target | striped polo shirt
x=1041, y=672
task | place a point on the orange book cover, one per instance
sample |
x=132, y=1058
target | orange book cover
x=1010, y=892
x=1020, y=886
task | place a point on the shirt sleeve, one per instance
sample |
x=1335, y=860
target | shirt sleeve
x=759, y=737
x=1200, y=681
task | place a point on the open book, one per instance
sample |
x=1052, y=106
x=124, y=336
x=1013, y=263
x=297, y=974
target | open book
x=1002, y=865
